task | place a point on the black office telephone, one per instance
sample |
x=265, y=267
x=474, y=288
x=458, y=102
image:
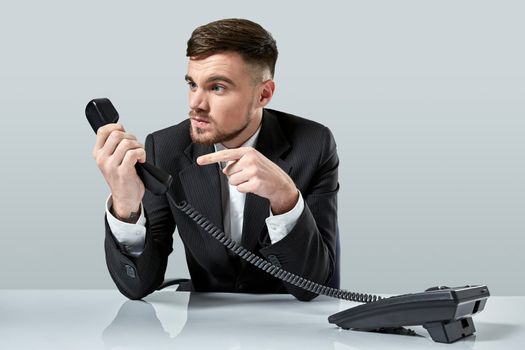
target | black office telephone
x=445, y=312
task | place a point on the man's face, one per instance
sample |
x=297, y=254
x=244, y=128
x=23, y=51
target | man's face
x=223, y=99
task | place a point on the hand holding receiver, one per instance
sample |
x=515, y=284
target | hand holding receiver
x=116, y=153
x=113, y=141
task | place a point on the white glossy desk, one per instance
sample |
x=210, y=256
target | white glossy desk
x=104, y=319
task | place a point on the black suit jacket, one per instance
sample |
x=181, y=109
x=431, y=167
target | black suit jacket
x=304, y=149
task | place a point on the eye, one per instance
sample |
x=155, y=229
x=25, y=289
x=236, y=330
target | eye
x=218, y=88
x=192, y=85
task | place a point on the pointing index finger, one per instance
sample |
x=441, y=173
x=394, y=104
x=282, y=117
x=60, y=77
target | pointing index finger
x=221, y=156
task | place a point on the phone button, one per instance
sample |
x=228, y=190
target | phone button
x=130, y=271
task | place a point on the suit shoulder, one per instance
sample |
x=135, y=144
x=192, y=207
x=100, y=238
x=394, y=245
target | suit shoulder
x=175, y=135
x=288, y=120
x=299, y=130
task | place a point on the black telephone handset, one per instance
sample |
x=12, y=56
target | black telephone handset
x=445, y=312
x=99, y=112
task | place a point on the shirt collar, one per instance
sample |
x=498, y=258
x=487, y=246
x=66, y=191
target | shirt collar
x=251, y=142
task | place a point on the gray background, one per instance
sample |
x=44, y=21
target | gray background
x=425, y=99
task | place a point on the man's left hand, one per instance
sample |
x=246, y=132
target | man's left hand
x=252, y=172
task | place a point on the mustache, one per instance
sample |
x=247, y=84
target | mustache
x=201, y=115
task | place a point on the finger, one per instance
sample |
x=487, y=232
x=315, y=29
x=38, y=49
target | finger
x=123, y=147
x=133, y=156
x=239, y=178
x=222, y=156
x=246, y=187
x=114, y=140
x=103, y=133
x=232, y=167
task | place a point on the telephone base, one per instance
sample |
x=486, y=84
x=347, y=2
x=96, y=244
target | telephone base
x=446, y=313
x=389, y=330
x=449, y=332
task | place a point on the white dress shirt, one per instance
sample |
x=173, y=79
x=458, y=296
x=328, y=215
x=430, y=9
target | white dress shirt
x=132, y=236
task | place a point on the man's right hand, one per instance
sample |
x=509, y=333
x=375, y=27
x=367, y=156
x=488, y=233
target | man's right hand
x=116, y=153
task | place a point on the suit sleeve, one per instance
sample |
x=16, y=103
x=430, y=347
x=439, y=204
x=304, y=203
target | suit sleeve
x=136, y=277
x=309, y=249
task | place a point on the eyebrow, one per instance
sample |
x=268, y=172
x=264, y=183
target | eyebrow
x=213, y=78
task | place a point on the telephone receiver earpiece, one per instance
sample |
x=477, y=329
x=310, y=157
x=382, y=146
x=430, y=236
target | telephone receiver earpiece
x=99, y=112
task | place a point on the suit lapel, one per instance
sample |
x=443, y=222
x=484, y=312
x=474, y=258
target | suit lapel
x=203, y=191
x=272, y=144
x=202, y=184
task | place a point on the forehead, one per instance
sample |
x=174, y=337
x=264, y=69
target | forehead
x=228, y=64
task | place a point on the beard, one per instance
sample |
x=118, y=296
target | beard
x=215, y=135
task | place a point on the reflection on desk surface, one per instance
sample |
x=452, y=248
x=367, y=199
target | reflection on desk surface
x=222, y=321
x=174, y=320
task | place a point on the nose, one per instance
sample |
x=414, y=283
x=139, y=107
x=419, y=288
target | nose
x=198, y=99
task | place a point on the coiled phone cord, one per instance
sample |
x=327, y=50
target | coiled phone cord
x=265, y=265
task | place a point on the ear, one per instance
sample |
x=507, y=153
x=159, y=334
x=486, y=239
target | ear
x=267, y=90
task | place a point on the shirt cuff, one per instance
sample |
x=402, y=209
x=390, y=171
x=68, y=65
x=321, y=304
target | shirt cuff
x=280, y=225
x=130, y=236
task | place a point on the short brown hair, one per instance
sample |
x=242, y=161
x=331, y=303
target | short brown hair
x=255, y=45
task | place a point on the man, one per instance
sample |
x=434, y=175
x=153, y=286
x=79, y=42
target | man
x=268, y=178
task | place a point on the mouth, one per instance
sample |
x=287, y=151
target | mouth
x=199, y=122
